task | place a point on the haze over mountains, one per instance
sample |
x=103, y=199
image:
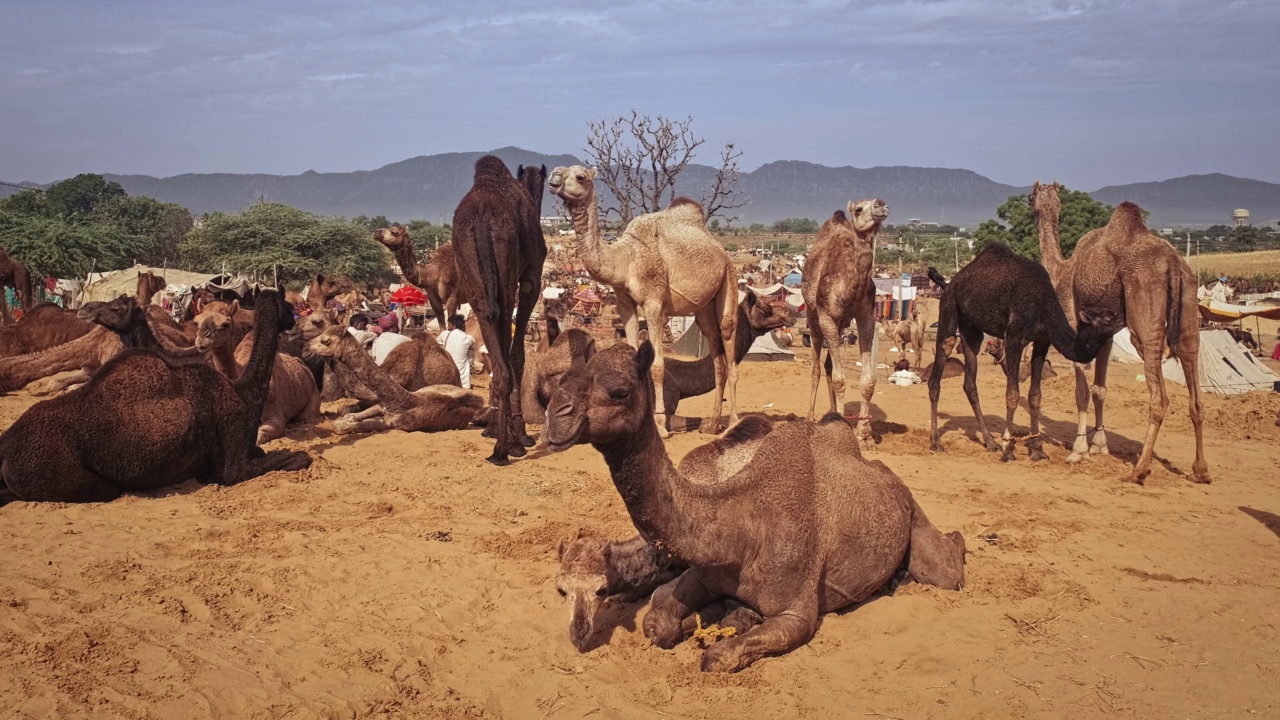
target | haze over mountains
x=430, y=187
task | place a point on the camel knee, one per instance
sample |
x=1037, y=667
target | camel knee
x=1099, y=393
x=867, y=388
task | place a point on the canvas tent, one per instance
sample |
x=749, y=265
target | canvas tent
x=125, y=282
x=693, y=344
x=1226, y=367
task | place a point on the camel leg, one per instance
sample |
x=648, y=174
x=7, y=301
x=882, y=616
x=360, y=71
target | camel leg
x=671, y=604
x=529, y=290
x=933, y=558
x=1156, y=407
x=777, y=635
x=497, y=337
x=1080, y=449
x=279, y=460
x=272, y=428
x=970, y=342
x=708, y=320
x=944, y=343
x=835, y=358
x=373, y=412
x=815, y=370
x=653, y=316
x=4, y=307
x=867, y=383
x=1012, y=369
x=1190, y=359
x=1035, y=444
x=1099, y=394
x=347, y=425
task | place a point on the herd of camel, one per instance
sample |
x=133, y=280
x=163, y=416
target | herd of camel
x=759, y=531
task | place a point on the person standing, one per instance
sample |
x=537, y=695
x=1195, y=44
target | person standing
x=460, y=346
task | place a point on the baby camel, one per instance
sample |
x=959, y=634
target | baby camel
x=431, y=409
x=593, y=569
x=789, y=521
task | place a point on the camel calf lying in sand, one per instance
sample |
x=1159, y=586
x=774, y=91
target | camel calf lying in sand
x=430, y=409
x=788, y=520
x=593, y=569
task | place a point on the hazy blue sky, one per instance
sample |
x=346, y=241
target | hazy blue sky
x=1089, y=92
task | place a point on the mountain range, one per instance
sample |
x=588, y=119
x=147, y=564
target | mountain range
x=430, y=186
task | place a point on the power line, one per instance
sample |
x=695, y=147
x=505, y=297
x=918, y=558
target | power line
x=20, y=187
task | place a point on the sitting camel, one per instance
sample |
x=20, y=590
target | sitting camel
x=904, y=333
x=430, y=409
x=593, y=569
x=419, y=363
x=292, y=393
x=1003, y=294
x=40, y=328
x=142, y=423
x=790, y=521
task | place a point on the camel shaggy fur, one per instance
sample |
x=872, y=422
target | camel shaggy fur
x=430, y=409
x=593, y=569
x=663, y=264
x=790, y=521
x=837, y=290
x=142, y=423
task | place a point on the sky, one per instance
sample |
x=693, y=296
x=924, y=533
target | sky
x=1091, y=93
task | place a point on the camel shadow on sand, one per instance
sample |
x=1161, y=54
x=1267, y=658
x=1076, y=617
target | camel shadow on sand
x=617, y=614
x=1270, y=520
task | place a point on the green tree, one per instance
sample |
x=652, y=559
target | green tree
x=53, y=247
x=80, y=196
x=26, y=202
x=163, y=224
x=1017, y=227
x=1246, y=237
x=270, y=237
x=796, y=225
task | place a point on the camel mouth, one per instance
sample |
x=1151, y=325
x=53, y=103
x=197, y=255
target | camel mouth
x=570, y=434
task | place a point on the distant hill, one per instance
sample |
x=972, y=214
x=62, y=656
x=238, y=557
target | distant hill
x=430, y=186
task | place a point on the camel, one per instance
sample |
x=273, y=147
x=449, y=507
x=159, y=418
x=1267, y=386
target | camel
x=44, y=326
x=497, y=236
x=1126, y=270
x=430, y=409
x=1003, y=294
x=142, y=423
x=162, y=323
x=663, y=264
x=837, y=289
x=788, y=520
x=995, y=348
x=904, y=333
x=14, y=274
x=322, y=289
x=413, y=365
x=543, y=368
x=593, y=569
x=437, y=277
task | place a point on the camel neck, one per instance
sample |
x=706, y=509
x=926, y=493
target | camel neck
x=658, y=498
x=408, y=263
x=224, y=358
x=1050, y=248
x=591, y=248
x=255, y=381
x=393, y=398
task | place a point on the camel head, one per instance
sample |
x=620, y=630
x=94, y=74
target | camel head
x=116, y=315
x=214, y=326
x=330, y=286
x=148, y=285
x=533, y=179
x=607, y=398
x=584, y=582
x=573, y=184
x=867, y=215
x=393, y=237
x=313, y=324
x=764, y=317
x=1044, y=199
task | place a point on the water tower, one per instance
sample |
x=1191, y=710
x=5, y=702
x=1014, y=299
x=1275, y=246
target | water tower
x=1241, y=217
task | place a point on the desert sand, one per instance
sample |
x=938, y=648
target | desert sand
x=402, y=575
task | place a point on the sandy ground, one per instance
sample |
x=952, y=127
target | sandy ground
x=402, y=575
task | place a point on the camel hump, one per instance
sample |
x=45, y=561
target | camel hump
x=1129, y=215
x=491, y=166
x=749, y=428
x=688, y=206
x=839, y=217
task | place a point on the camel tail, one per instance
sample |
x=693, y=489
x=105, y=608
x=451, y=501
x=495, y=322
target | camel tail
x=489, y=275
x=1173, y=318
x=730, y=319
x=937, y=278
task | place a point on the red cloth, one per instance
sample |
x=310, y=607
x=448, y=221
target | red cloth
x=409, y=296
x=1275, y=354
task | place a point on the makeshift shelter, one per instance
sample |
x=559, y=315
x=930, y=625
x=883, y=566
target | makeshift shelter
x=792, y=279
x=409, y=296
x=125, y=282
x=1226, y=366
x=694, y=344
x=1215, y=311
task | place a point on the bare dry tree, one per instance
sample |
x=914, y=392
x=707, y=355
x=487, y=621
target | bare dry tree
x=639, y=158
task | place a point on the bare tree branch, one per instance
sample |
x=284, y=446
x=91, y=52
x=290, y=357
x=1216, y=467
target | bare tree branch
x=639, y=158
x=725, y=194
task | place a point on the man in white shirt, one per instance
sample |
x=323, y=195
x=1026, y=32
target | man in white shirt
x=389, y=339
x=460, y=346
x=360, y=331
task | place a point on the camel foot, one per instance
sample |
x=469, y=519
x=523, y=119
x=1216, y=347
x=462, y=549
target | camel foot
x=294, y=462
x=1135, y=478
x=499, y=460
x=993, y=446
x=1200, y=478
x=661, y=421
x=936, y=446
x=1007, y=453
x=527, y=441
x=711, y=427
x=724, y=656
x=517, y=451
x=1075, y=457
x=1036, y=453
x=489, y=432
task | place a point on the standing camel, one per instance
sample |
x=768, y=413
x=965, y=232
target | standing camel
x=837, y=289
x=13, y=274
x=437, y=277
x=664, y=264
x=500, y=249
x=1124, y=269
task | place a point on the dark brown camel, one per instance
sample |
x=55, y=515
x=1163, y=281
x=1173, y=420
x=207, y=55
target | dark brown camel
x=790, y=521
x=437, y=277
x=498, y=239
x=1010, y=297
x=44, y=326
x=142, y=423
x=14, y=274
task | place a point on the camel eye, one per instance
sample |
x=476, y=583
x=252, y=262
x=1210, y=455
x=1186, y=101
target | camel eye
x=581, y=177
x=620, y=393
x=602, y=592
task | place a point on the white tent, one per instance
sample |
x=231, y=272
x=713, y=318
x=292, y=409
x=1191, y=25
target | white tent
x=125, y=282
x=693, y=344
x=1226, y=366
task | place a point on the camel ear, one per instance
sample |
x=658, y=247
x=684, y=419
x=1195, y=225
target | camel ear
x=750, y=299
x=235, y=308
x=560, y=549
x=644, y=358
x=544, y=171
x=851, y=208
x=591, y=173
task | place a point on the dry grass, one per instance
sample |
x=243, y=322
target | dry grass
x=1247, y=264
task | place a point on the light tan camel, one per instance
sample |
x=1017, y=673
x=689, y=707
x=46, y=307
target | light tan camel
x=664, y=264
x=437, y=277
x=906, y=332
x=431, y=409
x=1139, y=277
x=291, y=397
x=837, y=289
